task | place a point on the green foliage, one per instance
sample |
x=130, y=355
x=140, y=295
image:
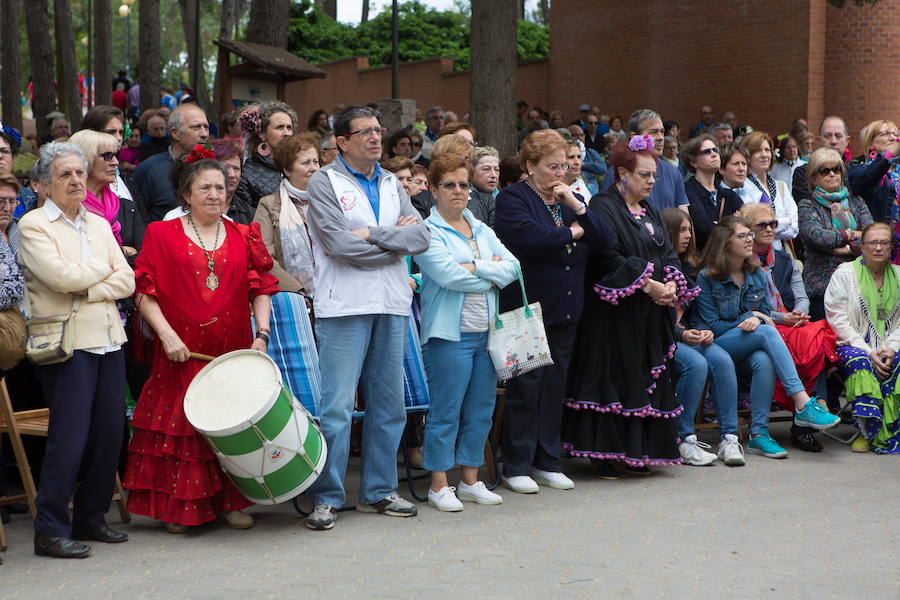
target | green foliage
x=423, y=33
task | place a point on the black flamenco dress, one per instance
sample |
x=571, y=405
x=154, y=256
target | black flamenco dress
x=621, y=401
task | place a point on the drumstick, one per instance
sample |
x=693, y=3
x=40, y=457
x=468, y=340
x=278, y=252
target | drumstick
x=199, y=356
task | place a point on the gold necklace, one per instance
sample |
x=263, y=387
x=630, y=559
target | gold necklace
x=212, y=281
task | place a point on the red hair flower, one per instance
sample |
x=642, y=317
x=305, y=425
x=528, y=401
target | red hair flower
x=198, y=152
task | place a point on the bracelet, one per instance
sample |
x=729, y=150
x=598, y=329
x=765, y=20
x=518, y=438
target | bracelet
x=264, y=330
x=262, y=335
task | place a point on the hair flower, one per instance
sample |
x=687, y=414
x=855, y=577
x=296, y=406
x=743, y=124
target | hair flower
x=198, y=152
x=250, y=120
x=640, y=142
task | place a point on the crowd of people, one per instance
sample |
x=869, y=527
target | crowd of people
x=747, y=261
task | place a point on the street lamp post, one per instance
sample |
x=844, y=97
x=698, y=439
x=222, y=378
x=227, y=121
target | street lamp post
x=125, y=11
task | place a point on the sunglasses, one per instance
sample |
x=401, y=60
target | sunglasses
x=705, y=151
x=452, y=185
x=837, y=170
x=762, y=226
x=108, y=156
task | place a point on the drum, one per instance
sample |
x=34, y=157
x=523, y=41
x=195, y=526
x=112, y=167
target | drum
x=265, y=440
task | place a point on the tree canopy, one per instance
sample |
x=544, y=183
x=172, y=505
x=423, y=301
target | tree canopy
x=424, y=33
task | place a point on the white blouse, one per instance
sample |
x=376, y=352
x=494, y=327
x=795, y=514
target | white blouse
x=785, y=208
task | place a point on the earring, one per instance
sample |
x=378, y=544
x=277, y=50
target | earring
x=624, y=181
x=263, y=149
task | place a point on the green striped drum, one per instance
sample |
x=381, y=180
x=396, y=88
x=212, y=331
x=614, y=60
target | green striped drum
x=265, y=440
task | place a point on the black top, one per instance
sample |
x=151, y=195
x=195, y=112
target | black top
x=704, y=209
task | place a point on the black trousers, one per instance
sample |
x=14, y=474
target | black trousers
x=86, y=396
x=533, y=408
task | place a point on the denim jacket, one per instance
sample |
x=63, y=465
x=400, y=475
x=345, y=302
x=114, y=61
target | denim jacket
x=722, y=305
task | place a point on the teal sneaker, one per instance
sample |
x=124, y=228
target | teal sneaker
x=816, y=416
x=762, y=443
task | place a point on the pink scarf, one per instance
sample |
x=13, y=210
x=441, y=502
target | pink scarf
x=108, y=208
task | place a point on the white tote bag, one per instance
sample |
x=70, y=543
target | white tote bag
x=517, y=342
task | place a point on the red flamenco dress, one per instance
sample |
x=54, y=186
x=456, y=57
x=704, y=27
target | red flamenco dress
x=172, y=474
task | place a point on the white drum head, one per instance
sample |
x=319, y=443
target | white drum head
x=231, y=390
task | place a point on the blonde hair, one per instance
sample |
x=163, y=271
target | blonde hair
x=750, y=211
x=753, y=142
x=823, y=157
x=93, y=143
x=451, y=144
x=870, y=131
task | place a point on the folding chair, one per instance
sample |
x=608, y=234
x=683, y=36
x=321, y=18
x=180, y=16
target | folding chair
x=36, y=423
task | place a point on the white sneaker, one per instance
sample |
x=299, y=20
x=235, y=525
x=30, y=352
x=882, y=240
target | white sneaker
x=557, y=481
x=445, y=500
x=477, y=492
x=731, y=451
x=694, y=452
x=521, y=484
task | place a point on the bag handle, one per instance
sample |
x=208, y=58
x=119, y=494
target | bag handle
x=529, y=314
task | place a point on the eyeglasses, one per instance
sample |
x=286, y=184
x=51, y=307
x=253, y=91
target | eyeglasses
x=417, y=144
x=647, y=175
x=878, y=243
x=8, y=201
x=556, y=167
x=705, y=151
x=368, y=131
x=890, y=134
x=108, y=156
x=452, y=185
x=762, y=226
x=823, y=171
x=747, y=235
x=327, y=148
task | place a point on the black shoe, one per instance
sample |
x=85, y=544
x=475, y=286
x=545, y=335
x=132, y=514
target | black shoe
x=806, y=442
x=4, y=515
x=60, y=547
x=17, y=508
x=101, y=534
x=603, y=469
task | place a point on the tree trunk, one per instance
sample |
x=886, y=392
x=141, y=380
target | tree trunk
x=40, y=53
x=70, y=96
x=493, y=91
x=269, y=20
x=188, y=23
x=9, y=76
x=102, y=52
x=227, y=22
x=330, y=8
x=365, y=12
x=148, y=61
x=240, y=7
x=520, y=6
x=545, y=11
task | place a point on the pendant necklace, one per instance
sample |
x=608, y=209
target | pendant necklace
x=212, y=281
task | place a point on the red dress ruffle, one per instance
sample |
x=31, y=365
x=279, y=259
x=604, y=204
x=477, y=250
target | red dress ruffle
x=172, y=474
x=814, y=349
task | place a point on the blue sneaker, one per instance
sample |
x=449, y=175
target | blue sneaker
x=816, y=416
x=762, y=443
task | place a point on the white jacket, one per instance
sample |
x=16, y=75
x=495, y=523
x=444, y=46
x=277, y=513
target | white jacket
x=355, y=276
x=848, y=316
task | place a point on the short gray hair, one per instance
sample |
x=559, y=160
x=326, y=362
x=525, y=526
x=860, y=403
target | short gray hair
x=176, y=121
x=720, y=127
x=434, y=109
x=323, y=141
x=43, y=167
x=638, y=117
x=483, y=152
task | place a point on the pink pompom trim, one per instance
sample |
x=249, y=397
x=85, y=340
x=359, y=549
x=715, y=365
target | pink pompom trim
x=644, y=461
x=612, y=295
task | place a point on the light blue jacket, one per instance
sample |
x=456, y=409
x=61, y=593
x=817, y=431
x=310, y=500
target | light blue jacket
x=445, y=283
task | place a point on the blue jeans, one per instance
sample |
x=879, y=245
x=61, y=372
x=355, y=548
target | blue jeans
x=764, y=354
x=462, y=384
x=370, y=346
x=694, y=364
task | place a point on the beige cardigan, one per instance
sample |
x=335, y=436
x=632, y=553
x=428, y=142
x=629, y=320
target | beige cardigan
x=50, y=255
x=267, y=215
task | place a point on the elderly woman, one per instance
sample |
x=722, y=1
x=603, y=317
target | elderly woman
x=10, y=143
x=709, y=202
x=762, y=187
x=734, y=302
x=697, y=359
x=12, y=285
x=863, y=309
x=228, y=153
x=264, y=125
x=461, y=272
x=196, y=278
x=573, y=176
x=788, y=160
x=552, y=232
x=621, y=394
x=485, y=176
x=812, y=345
x=830, y=225
x=447, y=145
x=875, y=176
x=282, y=216
x=73, y=265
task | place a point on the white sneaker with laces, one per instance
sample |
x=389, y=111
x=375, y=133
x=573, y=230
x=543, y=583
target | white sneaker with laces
x=477, y=492
x=521, y=484
x=731, y=451
x=694, y=452
x=445, y=500
x=555, y=480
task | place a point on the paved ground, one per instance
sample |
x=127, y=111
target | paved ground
x=812, y=526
